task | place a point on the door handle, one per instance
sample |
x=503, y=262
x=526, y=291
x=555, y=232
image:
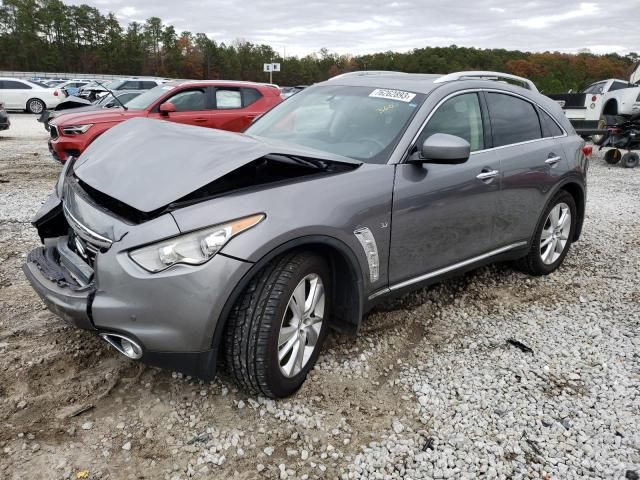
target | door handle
x=552, y=160
x=487, y=174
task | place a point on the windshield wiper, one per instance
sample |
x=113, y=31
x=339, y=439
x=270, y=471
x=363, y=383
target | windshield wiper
x=114, y=96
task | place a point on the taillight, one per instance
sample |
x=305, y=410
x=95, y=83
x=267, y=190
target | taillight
x=55, y=93
x=587, y=150
x=594, y=98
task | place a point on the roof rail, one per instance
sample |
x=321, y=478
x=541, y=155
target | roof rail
x=525, y=82
x=363, y=73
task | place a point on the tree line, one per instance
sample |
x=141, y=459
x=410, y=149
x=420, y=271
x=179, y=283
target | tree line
x=48, y=35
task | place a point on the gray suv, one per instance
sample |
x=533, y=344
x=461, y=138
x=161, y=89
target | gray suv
x=183, y=246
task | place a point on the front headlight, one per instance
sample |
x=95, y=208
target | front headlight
x=76, y=129
x=63, y=175
x=193, y=248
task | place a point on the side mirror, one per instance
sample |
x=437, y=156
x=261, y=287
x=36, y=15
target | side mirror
x=167, y=107
x=445, y=149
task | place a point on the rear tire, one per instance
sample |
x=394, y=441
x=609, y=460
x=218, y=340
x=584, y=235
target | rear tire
x=35, y=105
x=612, y=156
x=263, y=332
x=630, y=160
x=552, y=238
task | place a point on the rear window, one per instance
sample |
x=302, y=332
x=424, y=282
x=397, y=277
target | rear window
x=513, y=120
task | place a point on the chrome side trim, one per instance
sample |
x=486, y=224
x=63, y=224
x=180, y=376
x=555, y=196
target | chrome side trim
x=450, y=268
x=83, y=231
x=370, y=249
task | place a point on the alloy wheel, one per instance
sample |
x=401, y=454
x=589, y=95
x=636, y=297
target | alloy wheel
x=35, y=106
x=555, y=233
x=301, y=325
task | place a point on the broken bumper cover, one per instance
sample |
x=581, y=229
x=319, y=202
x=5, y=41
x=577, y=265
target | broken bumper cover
x=171, y=316
x=64, y=299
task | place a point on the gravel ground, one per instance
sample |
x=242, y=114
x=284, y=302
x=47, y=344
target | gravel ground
x=431, y=388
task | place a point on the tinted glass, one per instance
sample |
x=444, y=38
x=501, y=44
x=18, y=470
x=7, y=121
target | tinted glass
x=618, y=86
x=13, y=85
x=364, y=123
x=513, y=120
x=149, y=97
x=190, y=100
x=147, y=85
x=460, y=116
x=228, y=98
x=595, y=88
x=129, y=85
x=549, y=126
x=251, y=95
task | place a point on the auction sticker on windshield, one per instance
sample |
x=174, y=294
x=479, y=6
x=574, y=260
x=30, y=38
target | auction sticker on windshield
x=392, y=94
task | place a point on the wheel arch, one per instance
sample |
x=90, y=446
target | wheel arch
x=576, y=190
x=611, y=107
x=347, y=282
x=26, y=105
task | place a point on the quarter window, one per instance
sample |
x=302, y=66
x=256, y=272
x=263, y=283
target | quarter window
x=251, y=95
x=228, y=98
x=460, y=116
x=549, y=127
x=513, y=120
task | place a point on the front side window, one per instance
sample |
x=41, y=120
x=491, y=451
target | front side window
x=190, y=100
x=228, y=98
x=363, y=123
x=513, y=120
x=460, y=116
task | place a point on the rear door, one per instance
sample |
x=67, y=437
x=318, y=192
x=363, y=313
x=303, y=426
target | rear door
x=194, y=106
x=236, y=107
x=532, y=161
x=15, y=94
x=444, y=214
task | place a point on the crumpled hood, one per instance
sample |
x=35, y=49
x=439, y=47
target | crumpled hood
x=148, y=164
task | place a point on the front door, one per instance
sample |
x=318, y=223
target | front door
x=444, y=214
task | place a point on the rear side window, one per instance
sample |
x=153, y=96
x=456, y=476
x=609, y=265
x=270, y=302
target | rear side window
x=251, y=95
x=460, y=116
x=13, y=85
x=549, y=127
x=513, y=120
x=130, y=85
x=618, y=86
x=147, y=85
x=228, y=98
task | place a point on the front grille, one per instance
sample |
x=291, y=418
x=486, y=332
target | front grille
x=53, y=131
x=86, y=250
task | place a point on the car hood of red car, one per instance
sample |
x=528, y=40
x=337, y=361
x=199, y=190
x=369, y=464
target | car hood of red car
x=110, y=115
x=148, y=164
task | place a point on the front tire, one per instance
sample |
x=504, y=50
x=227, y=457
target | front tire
x=276, y=328
x=552, y=238
x=36, y=106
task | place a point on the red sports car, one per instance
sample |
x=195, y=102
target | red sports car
x=226, y=105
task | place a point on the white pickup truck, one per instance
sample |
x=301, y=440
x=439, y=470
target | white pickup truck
x=587, y=110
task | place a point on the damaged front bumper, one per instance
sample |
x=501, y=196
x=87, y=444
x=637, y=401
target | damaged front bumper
x=60, y=292
x=171, y=315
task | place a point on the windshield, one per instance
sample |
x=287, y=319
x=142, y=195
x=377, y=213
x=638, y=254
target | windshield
x=363, y=123
x=149, y=97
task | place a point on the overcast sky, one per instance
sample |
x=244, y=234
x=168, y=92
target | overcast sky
x=352, y=26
